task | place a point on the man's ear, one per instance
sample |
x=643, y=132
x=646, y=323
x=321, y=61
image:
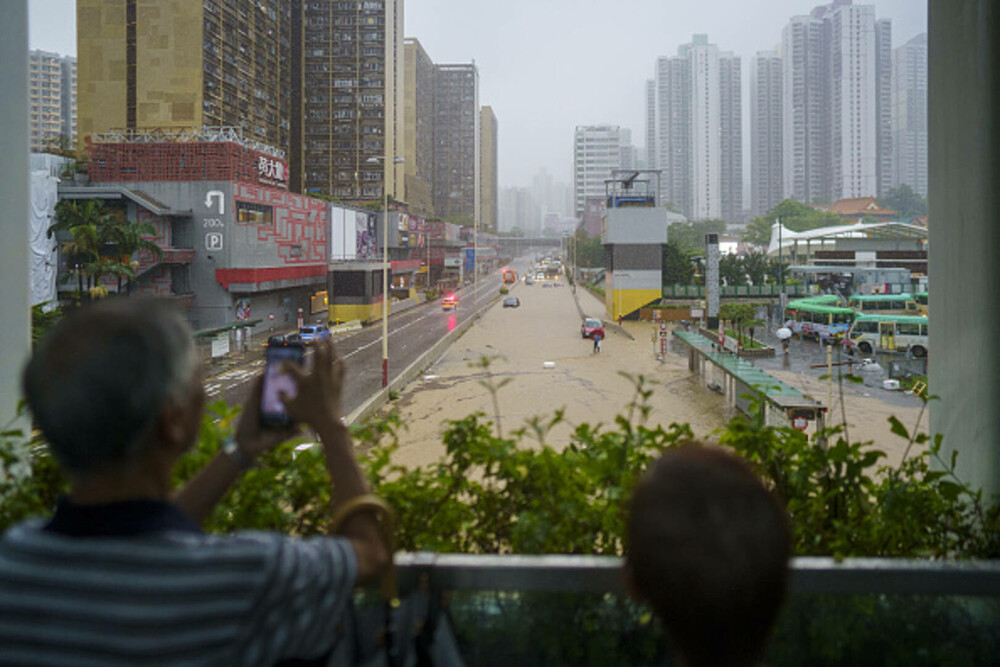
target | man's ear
x=628, y=578
x=171, y=427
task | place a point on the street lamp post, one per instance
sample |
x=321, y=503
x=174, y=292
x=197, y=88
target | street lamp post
x=385, y=264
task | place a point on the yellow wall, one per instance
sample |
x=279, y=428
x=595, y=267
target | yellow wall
x=631, y=300
x=169, y=47
x=363, y=312
x=169, y=75
x=100, y=30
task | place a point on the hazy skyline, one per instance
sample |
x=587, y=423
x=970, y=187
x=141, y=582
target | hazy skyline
x=547, y=66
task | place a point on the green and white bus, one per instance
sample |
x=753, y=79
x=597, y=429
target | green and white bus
x=890, y=332
x=887, y=304
x=819, y=317
x=922, y=301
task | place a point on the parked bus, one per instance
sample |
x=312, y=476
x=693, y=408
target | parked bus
x=886, y=304
x=820, y=317
x=922, y=302
x=890, y=332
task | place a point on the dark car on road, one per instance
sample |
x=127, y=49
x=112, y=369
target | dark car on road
x=284, y=340
x=511, y=302
x=592, y=327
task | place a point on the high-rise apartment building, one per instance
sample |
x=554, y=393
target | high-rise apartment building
x=209, y=63
x=320, y=81
x=650, y=124
x=909, y=114
x=597, y=151
x=836, y=119
x=488, y=154
x=52, y=99
x=353, y=136
x=698, y=134
x=418, y=147
x=456, y=142
x=765, y=132
x=731, y=137
x=629, y=153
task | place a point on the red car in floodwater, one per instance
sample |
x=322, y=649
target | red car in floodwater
x=592, y=327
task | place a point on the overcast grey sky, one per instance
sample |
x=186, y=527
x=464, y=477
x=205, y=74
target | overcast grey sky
x=547, y=66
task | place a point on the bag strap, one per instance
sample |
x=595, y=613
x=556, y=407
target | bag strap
x=387, y=521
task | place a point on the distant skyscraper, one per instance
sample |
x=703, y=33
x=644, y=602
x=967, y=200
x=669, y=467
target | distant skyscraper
x=731, y=137
x=223, y=63
x=489, y=214
x=52, y=99
x=418, y=115
x=909, y=114
x=456, y=142
x=651, y=124
x=351, y=100
x=596, y=152
x=629, y=154
x=836, y=120
x=519, y=210
x=765, y=132
x=699, y=131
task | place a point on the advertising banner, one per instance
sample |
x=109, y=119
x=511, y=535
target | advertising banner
x=366, y=236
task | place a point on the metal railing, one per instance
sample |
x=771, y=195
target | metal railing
x=765, y=290
x=602, y=574
x=210, y=134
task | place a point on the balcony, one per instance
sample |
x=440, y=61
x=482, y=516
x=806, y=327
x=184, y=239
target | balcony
x=572, y=610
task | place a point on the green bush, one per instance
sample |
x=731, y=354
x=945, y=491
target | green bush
x=517, y=494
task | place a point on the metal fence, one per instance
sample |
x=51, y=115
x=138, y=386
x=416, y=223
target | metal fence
x=767, y=290
x=574, y=610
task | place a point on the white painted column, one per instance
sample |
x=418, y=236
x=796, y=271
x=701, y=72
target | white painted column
x=964, y=161
x=15, y=320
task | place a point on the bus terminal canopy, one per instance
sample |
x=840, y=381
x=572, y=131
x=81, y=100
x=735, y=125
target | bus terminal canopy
x=875, y=231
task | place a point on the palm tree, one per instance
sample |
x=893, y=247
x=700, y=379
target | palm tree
x=104, y=241
x=130, y=238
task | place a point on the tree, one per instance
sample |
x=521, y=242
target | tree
x=690, y=236
x=794, y=215
x=904, y=201
x=589, y=251
x=755, y=266
x=731, y=269
x=736, y=314
x=103, y=243
x=677, y=267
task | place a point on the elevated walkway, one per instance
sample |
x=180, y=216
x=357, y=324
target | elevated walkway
x=743, y=383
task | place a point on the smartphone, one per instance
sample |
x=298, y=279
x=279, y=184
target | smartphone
x=272, y=410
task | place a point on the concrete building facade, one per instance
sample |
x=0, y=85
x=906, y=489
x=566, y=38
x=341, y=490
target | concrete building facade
x=352, y=101
x=765, y=132
x=52, y=99
x=909, y=115
x=456, y=142
x=596, y=152
x=731, y=137
x=837, y=103
x=224, y=63
x=418, y=114
x=699, y=140
x=489, y=213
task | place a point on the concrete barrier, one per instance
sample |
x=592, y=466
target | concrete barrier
x=414, y=370
x=346, y=327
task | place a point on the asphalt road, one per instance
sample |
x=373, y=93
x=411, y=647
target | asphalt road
x=411, y=333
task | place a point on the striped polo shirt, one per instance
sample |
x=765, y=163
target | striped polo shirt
x=167, y=594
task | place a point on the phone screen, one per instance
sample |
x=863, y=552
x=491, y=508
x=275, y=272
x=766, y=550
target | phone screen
x=272, y=410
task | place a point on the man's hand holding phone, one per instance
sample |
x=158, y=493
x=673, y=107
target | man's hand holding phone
x=319, y=396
